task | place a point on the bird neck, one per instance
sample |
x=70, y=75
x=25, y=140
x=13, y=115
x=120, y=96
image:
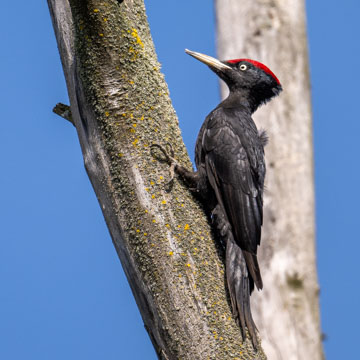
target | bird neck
x=240, y=98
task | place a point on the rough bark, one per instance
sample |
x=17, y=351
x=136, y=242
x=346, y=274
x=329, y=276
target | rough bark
x=120, y=105
x=287, y=310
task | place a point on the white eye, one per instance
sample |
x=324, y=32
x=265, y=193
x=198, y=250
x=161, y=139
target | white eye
x=243, y=67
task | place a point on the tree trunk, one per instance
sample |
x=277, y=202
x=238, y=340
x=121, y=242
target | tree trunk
x=120, y=106
x=287, y=310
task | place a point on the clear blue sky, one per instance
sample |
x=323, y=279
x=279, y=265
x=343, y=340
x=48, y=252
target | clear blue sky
x=63, y=292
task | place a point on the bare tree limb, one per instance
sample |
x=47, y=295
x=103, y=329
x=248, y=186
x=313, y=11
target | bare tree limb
x=63, y=111
x=120, y=106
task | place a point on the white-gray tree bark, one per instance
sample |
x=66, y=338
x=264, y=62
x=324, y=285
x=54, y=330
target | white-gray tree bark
x=287, y=310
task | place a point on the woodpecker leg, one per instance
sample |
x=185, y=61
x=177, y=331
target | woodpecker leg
x=190, y=177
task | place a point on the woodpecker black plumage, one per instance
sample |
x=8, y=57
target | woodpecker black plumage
x=229, y=156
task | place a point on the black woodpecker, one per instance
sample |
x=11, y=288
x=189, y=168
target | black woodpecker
x=229, y=156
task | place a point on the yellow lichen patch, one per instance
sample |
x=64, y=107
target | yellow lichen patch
x=135, y=34
x=96, y=10
x=137, y=230
x=171, y=253
x=132, y=51
x=154, y=221
x=120, y=154
x=188, y=265
x=147, y=189
x=101, y=34
x=105, y=19
x=163, y=202
x=186, y=227
x=152, y=183
x=145, y=234
x=142, y=117
x=132, y=130
x=135, y=142
x=153, y=196
x=152, y=244
x=107, y=113
x=167, y=225
x=161, y=177
x=131, y=82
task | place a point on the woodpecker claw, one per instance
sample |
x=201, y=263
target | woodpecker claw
x=165, y=157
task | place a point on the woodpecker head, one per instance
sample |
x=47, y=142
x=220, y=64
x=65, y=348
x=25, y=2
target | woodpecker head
x=249, y=77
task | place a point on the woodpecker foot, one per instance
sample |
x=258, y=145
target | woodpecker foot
x=168, y=157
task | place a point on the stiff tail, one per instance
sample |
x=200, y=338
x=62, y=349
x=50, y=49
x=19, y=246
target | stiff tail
x=239, y=281
x=240, y=285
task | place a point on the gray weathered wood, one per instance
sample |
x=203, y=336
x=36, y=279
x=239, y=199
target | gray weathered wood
x=120, y=105
x=287, y=310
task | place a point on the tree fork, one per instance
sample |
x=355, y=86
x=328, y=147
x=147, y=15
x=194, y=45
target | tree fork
x=120, y=106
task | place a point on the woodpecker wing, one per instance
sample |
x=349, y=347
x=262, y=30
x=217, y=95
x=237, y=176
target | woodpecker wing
x=235, y=169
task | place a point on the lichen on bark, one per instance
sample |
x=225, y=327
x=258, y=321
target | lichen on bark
x=120, y=106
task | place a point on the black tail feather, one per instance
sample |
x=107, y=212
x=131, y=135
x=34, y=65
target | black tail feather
x=240, y=285
x=239, y=280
